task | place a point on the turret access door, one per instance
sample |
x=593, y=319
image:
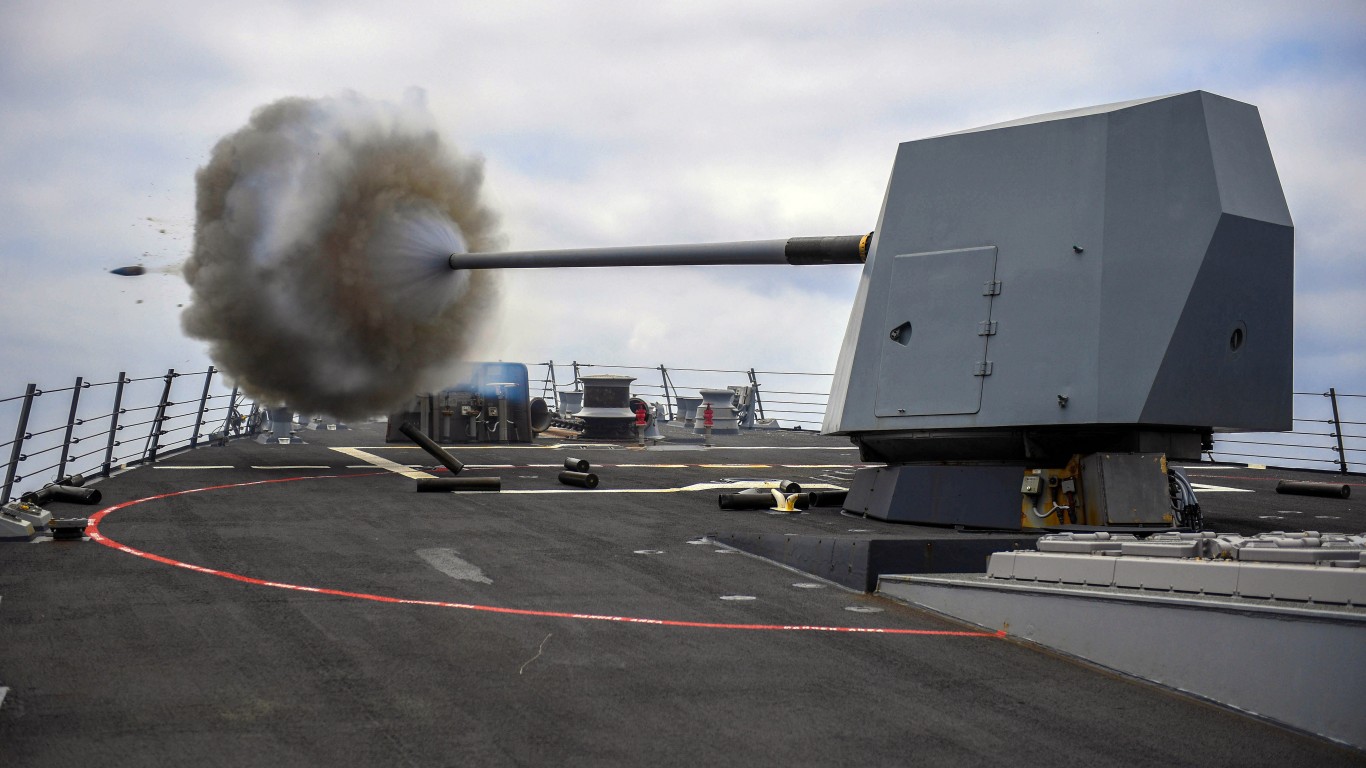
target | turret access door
x=935, y=331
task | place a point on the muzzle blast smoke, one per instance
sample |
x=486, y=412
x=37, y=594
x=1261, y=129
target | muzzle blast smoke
x=319, y=269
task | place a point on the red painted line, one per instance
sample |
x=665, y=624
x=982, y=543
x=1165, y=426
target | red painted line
x=93, y=531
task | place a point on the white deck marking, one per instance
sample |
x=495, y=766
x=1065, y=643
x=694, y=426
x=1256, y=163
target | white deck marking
x=382, y=463
x=1202, y=488
x=195, y=466
x=571, y=446
x=372, y=466
x=291, y=466
x=449, y=562
x=685, y=489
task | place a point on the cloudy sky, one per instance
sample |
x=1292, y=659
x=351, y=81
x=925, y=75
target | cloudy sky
x=609, y=123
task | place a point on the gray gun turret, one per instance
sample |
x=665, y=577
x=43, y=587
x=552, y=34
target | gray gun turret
x=1057, y=294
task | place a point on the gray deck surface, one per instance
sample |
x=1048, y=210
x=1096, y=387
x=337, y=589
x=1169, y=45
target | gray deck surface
x=117, y=659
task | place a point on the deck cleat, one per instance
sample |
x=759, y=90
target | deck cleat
x=68, y=528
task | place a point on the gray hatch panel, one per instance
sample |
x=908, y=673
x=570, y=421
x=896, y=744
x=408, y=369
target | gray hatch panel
x=938, y=370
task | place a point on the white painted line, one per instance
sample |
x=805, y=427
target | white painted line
x=736, y=466
x=383, y=463
x=490, y=466
x=1202, y=488
x=464, y=447
x=820, y=466
x=685, y=489
x=372, y=466
x=187, y=466
x=291, y=466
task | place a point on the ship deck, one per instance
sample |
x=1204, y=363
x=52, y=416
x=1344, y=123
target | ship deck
x=301, y=605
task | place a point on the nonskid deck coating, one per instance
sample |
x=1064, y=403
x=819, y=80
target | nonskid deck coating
x=98, y=537
x=128, y=661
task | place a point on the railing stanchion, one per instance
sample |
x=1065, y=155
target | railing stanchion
x=70, y=426
x=154, y=439
x=554, y=386
x=203, y=401
x=114, y=424
x=758, y=401
x=1337, y=430
x=668, y=401
x=232, y=411
x=20, y=435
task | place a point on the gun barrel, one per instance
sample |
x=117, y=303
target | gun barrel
x=845, y=249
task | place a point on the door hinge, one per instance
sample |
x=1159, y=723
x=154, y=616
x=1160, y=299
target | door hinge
x=987, y=328
x=983, y=368
x=992, y=288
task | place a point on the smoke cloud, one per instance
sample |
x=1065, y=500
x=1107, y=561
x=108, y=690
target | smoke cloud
x=318, y=271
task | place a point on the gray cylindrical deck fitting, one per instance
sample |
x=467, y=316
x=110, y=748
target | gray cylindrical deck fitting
x=725, y=421
x=580, y=479
x=448, y=484
x=606, y=411
x=576, y=465
x=428, y=445
x=738, y=501
x=1307, y=488
x=571, y=402
x=827, y=498
x=687, y=408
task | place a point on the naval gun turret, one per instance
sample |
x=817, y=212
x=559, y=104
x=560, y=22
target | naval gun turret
x=1049, y=310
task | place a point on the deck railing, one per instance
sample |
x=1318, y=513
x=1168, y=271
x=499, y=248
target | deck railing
x=796, y=398
x=1329, y=428
x=1329, y=434
x=98, y=427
